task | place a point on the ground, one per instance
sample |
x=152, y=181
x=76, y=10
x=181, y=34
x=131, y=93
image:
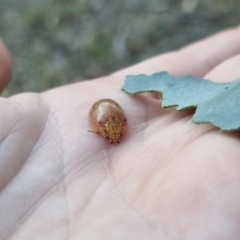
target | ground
x=55, y=42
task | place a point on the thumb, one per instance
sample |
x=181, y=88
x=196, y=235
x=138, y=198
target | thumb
x=5, y=66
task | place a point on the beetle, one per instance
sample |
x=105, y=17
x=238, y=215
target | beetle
x=107, y=118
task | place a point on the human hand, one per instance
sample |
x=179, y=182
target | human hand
x=167, y=179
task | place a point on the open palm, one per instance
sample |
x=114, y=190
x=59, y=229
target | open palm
x=167, y=179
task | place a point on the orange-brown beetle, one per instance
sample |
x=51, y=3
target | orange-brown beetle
x=108, y=119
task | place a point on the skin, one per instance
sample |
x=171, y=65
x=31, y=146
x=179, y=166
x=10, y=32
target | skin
x=168, y=179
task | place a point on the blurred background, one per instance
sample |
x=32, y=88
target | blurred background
x=55, y=42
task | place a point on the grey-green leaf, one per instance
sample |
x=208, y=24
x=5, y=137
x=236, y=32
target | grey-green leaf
x=217, y=103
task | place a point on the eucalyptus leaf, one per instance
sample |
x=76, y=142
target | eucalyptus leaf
x=216, y=103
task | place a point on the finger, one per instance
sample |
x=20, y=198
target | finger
x=226, y=71
x=5, y=66
x=196, y=59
